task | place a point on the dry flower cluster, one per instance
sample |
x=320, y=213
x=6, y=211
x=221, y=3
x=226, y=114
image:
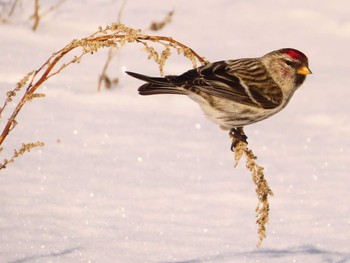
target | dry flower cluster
x=109, y=81
x=26, y=147
x=262, y=187
x=117, y=35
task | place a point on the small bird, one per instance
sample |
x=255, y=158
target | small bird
x=235, y=93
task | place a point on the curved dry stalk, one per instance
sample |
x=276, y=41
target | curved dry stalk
x=115, y=35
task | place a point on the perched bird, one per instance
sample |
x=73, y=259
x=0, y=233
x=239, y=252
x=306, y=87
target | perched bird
x=235, y=93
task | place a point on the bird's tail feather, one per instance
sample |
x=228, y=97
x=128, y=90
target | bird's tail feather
x=155, y=85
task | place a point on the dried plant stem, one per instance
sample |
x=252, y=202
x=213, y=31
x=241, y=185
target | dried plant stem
x=36, y=16
x=103, y=75
x=262, y=188
x=115, y=35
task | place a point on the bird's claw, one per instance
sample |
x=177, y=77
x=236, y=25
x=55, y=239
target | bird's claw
x=237, y=136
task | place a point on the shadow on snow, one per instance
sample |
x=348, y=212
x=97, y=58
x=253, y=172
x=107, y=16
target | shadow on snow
x=49, y=255
x=321, y=255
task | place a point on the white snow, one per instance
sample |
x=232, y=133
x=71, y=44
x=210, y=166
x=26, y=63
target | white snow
x=126, y=178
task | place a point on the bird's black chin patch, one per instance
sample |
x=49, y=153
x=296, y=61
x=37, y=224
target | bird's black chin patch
x=299, y=79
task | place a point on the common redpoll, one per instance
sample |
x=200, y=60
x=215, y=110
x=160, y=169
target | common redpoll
x=235, y=93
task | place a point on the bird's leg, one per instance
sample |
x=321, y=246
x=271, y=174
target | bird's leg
x=237, y=135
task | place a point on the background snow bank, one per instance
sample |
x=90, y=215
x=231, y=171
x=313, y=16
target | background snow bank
x=125, y=178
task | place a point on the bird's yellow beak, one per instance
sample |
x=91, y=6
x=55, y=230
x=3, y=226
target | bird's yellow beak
x=304, y=70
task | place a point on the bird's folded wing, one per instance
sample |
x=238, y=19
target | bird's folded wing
x=219, y=80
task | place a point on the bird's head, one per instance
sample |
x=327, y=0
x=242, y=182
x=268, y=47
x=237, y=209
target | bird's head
x=288, y=67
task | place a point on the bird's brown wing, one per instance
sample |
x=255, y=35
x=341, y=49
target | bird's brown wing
x=236, y=80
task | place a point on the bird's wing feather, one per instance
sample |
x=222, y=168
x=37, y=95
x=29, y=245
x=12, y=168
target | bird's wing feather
x=227, y=80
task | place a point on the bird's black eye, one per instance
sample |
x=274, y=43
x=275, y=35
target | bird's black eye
x=288, y=62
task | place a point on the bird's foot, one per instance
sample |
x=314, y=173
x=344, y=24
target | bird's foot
x=237, y=136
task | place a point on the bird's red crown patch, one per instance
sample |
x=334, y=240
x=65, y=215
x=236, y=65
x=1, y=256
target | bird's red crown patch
x=295, y=54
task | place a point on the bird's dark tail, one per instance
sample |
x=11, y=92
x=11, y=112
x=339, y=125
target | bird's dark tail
x=155, y=85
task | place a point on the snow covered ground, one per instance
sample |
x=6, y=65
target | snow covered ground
x=126, y=178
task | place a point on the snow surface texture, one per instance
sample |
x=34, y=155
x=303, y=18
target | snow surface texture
x=126, y=178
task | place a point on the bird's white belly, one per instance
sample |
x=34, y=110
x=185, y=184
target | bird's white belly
x=229, y=114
